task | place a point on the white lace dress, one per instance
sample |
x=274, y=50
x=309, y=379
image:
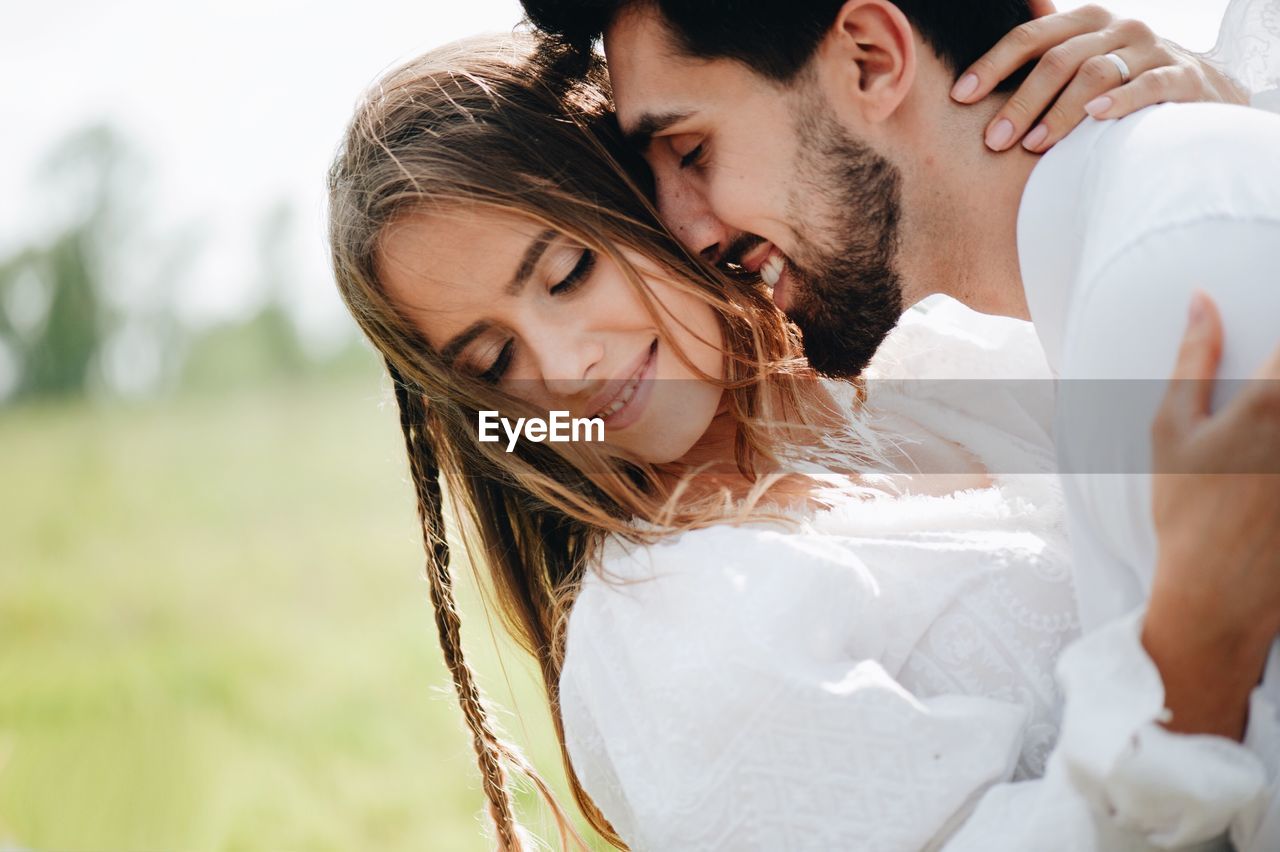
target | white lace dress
x=857, y=681
x=880, y=676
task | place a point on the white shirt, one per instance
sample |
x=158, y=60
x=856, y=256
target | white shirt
x=1119, y=223
x=879, y=677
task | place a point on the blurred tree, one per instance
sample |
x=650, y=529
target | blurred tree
x=58, y=358
x=55, y=315
x=91, y=303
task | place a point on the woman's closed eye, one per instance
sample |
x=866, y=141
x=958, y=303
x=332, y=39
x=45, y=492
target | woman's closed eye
x=501, y=363
x=581, y=269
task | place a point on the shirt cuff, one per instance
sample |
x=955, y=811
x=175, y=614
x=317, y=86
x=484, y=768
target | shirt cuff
x=1257, y=827
x=1174, y=789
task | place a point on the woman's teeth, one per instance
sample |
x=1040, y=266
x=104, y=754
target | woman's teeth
x=771, y=270
x=621, y=400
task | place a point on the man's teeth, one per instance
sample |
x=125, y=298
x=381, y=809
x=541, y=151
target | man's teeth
x=771, y=270
x=621, y=400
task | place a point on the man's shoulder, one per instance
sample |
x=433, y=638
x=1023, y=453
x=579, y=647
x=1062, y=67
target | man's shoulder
x=1174, y=152
x=1172, y=166
x=1110, y=186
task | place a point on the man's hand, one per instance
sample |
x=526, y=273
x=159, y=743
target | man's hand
x=1215, y=600
x=1074, y=78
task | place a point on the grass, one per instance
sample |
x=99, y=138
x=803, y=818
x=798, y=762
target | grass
x=214, y=634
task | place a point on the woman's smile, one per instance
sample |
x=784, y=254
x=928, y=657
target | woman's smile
x=628, y=395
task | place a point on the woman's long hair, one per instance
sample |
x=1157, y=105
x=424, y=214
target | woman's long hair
x=492, y=123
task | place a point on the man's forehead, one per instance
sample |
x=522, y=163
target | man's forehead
x=646, y=67
x=640, y=33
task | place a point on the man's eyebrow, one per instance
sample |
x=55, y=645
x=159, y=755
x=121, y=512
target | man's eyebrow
x=532, y=254
x=651, y=124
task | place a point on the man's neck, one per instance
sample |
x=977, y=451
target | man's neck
x=960, y=208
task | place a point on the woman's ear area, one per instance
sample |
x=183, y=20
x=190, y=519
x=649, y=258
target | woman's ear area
x=868, y=58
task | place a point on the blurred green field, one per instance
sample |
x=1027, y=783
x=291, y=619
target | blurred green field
x=214, y=634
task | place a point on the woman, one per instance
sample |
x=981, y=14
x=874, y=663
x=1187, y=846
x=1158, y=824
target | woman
x=493, y=249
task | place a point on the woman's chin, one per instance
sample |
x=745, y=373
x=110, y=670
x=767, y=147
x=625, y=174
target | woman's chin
x=674, y=427
x=659, y=446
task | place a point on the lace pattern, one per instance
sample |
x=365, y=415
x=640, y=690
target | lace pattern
x=1248, y=46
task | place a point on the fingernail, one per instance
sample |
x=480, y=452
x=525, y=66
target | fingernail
x=1000, y=134
x=1197, y=310
x=965, y=87
x=1036, y=138
x=1098, y=106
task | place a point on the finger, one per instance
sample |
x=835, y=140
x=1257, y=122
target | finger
x=1169, y=84
x=1052, y=73
x=1270, y=369
x=1262, y=396
x=1041, y=8
x=1191, y=385
x=1251, y=422
x=1022, y=44
x=1097, y=76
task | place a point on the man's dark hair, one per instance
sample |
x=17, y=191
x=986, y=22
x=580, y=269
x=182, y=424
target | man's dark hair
x=776, y=38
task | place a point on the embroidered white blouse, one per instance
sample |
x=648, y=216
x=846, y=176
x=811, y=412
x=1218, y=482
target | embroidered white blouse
x=880, y=677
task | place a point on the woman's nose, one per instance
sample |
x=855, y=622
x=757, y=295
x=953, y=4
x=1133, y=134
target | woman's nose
x=570, y=361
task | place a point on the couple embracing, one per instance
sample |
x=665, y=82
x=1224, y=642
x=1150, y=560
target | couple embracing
x=808, y=593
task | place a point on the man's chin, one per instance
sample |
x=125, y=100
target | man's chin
x=842, y=351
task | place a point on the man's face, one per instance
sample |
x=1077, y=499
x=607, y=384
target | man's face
x=761, y=175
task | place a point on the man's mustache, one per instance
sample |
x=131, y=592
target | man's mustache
x=738, y=248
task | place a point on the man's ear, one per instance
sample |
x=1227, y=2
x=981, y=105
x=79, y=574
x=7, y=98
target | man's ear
x=869, y=58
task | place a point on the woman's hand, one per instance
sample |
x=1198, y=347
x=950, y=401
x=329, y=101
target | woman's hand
x=1215, y=600
x=1075, y=77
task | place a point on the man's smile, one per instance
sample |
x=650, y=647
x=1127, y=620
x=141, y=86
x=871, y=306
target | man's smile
x=769, y=261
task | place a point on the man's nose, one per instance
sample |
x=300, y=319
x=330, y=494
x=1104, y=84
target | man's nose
x=684, y=210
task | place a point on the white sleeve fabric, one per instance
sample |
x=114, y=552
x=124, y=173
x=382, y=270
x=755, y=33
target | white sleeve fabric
x=740, y=703
x=1177, y=789
x=736, y=702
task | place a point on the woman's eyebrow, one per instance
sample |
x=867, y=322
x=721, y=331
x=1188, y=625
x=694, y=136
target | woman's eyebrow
x=531, y=257
x=450, y=351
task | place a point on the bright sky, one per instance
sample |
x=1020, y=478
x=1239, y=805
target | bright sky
x=239, y=104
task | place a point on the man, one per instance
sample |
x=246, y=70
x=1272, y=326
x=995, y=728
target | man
x=819, y=144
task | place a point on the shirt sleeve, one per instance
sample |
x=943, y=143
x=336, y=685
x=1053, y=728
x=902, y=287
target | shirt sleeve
x=742, y=704
x=1175, y=789
x=736, y=701
x=1125, y=324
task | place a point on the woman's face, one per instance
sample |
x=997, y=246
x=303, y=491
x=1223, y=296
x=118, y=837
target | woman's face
x=531, y=311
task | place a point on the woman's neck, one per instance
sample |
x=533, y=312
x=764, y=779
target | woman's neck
x=714, y=462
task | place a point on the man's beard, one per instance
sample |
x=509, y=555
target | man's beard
x=848, y=294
